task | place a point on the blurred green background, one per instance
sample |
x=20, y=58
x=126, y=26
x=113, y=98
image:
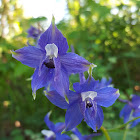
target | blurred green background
x=105, y=32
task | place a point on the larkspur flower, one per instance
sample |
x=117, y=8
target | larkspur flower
x=55, y=130
x=85, y=103
x=78, y=136
x=33, y=32
x=131, y=110
x=52, y=63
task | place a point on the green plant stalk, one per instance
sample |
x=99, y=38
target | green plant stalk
x=105, y=133
x=122, y=126
x=125, y=133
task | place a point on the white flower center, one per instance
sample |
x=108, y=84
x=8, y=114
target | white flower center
x=51, y=50
x=88, y=94
x=48, y=133
x=74, y=137
x=139, y=107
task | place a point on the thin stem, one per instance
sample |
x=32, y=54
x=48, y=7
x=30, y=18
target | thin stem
x=125, y=133
x=122, y=126
x=105, y=133
x=123, y=101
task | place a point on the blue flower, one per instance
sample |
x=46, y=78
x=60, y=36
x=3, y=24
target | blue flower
x=51, y=62
x=33, y=32
x=78, y=135
x=104, y=82
x=85, y=103
x=131, y=110
x=55, y=130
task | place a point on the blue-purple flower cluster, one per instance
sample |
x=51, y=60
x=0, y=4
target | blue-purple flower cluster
x=34, y=32
x=131, y=110
x=55, y=132
x=53, y=66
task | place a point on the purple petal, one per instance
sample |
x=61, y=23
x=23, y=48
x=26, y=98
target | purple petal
x=104, y=82
x=76, y=87
x=94, y=121
x=135, y=101
x=99, y=117
x=73, y=96
x=41, y=80
x=77, y=133
x=53, y=35
x=50, y=124
x=62, y=137
x=59, y=127
x=73, y=116
x=30, y=56
x=57, y=99
x=74, y=63
x=125, y=112
x=61, y=79
x=136, y=114
x=33, y=32
x=89, y=85
x=135, y=123
x=106, y=96
x=82, y=78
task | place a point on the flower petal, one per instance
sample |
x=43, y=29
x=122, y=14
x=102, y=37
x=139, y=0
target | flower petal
x=135, y=122
x=73, y=96
x=61, y=79
x=136, y=101
x=57, y=99
x=62, y=137
x=76, y=87
x=50, y=124
x=106, y=96
x=73, y=116
x=94, y=121
x=104, y=82
x=30, y=56
x=136, y=113
x=82, y=78
x=59, y=127
x=74, y=63
x=77, y=133
x=53, y=35
x=89, y=85
x=39, y=81
x=48, y=133
x=99, y=117
x=125, y=112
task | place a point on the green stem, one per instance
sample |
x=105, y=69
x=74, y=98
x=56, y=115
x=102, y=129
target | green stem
x=125, y=133
x=122, y=126
x=105, y=133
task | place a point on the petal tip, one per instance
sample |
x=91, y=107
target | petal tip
x=93, y=65
x=49, y=113
x=117, y=92
x=34, y=95
x=46, y=93
x=14, y=53
x=66, y=98
x=63, y=131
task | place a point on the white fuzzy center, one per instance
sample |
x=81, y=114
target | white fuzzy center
x=88, y=94
x=51, y=50
x=48, y=133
